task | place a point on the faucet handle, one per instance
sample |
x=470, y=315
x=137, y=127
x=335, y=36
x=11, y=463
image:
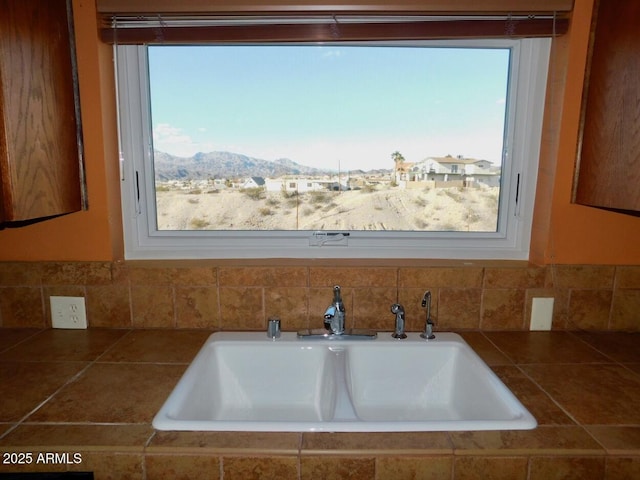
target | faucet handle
x=428, y=327
x=330, y=312
x=329, y=315
x=273, y=328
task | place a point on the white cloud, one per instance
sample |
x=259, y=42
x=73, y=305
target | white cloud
x=175, y=141
x=332, y=53
x=165, y=134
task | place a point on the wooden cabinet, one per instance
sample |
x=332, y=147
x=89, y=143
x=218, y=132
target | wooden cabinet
x=40, y=145
x=608, y=169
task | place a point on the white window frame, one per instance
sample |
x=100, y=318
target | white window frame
x=525, y=108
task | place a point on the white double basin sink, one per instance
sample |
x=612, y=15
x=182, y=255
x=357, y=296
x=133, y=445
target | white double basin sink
x=244, y=381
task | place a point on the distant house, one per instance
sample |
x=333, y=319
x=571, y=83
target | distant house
x=219, y=183
x=298, y=184
x=455, y=170
x=455, y=165
x=254, y=182
x=402, y=171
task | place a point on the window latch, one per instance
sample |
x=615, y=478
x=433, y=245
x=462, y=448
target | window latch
x=334, y=239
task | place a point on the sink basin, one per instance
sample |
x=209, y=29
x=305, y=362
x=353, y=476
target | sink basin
x=244, y=381
x=240, y=378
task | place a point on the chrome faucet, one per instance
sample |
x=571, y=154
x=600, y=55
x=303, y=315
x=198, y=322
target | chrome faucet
x=398, y=311
x=334, y=317
x=334, y=324
x=428, y=327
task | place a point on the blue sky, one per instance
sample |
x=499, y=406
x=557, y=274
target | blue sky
x=320, y=105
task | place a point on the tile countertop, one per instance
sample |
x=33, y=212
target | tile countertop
x=96, y=392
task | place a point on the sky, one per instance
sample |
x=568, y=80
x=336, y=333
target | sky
x=346, y=107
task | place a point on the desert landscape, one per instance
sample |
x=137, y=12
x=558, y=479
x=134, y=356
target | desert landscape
x=383, y=207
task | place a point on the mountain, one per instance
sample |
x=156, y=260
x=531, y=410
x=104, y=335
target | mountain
x=225, y=165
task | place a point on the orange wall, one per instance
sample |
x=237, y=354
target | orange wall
x=563, y=233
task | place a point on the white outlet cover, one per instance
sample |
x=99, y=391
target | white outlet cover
x=541, y=314
x=68, y=312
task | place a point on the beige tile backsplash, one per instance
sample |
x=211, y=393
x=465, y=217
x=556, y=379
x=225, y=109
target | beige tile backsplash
x=227, y=295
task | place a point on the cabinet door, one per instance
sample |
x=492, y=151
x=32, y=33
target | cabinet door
x=608, y=173
x=40, y=151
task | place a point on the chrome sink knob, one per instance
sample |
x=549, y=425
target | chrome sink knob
x=273, y=328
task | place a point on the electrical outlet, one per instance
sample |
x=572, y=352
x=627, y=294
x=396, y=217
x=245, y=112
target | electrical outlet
x=68, y=312
x=541, y=313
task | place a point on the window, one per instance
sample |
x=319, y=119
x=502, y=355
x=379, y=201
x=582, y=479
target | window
x=338, y=150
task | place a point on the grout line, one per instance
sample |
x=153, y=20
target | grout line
x=453, y=448
x=528, y=377
x=69, y=381
x=140, y=362
x=44, y=300
x=218, y=301
x=114, y=345
x=130, y=300
x=627, y=367
x=604, y=448
x=614, y=289
x=41, y=404
x=398, y=284
x=594, y=348
x=148, y=442
x=11, y=429
x=20, y=342
x=481, y=309
x=483, y=333
x=263, y=298
x=624, y=365
x=143, y=464
x=553, y=400
x=174, y=305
